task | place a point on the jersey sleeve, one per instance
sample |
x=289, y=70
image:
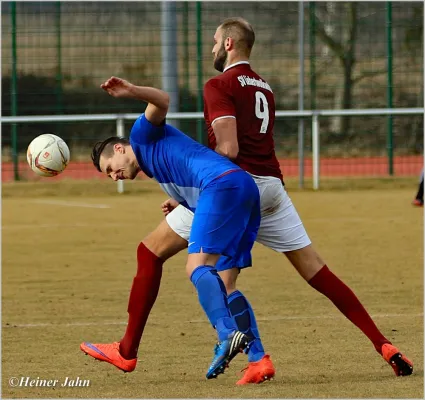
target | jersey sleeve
x=218, y=100
x=144, y=132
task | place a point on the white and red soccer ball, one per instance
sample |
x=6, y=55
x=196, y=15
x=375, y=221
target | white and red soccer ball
x=48, y=155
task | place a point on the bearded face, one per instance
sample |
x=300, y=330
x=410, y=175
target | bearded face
x=220, y=58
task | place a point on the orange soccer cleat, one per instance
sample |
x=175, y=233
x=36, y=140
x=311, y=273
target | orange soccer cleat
x=110, y=353
x=418, y=203
x=257, y=372
x=401, y=365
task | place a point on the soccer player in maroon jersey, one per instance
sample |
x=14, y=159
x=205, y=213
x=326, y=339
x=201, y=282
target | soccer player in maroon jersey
x=239, y=110
x=227, y=110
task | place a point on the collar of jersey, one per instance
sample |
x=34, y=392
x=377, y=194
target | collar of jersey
x=235, y=64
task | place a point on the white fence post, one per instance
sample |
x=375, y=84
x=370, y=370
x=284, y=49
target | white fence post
x=120, y=134
x=316, y=150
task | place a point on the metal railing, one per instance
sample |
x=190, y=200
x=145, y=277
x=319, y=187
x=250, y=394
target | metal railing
x=313, y=114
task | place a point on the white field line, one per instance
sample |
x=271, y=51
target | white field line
x=204, y=321
x=107, y=225
x=67, y=225
x=71, y=204
x=111, y=225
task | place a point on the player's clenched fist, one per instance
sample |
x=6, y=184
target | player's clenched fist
x=169, y=205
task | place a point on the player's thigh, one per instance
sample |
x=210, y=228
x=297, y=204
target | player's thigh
x=281, y=228
x=243, y=257
x=164, y=242
x=180, y=221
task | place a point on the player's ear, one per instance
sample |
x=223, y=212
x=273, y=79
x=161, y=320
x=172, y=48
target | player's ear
x=229, y=43
x=119, y=148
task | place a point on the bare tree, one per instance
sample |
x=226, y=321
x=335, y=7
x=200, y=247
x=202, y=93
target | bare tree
x=342, y=43
x=413, y=43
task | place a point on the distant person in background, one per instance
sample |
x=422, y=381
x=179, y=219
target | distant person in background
x=419, y=199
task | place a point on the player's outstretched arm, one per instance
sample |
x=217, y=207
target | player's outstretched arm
x=158, y=100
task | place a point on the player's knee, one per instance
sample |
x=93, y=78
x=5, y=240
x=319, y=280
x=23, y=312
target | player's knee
x=195, y=260
x=229, y=278
x=306, y=261
x=164, y=242
x=152, y=245
x=229, y=283
x=189, y=269
x=144, y=258
x=230, y=287
x=141, y=248
x=192, y=263
x=316, y=261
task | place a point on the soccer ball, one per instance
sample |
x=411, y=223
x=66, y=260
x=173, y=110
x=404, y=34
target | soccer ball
x=48, y=155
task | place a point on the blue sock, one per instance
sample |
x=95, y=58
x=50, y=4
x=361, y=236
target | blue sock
x=213, y=298
x=244, y=317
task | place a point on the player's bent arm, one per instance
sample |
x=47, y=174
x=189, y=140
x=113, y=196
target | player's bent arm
x=169, y=205
x=158, y=102
x=225, y=131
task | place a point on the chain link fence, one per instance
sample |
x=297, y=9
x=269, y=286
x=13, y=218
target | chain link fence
x=354, y=55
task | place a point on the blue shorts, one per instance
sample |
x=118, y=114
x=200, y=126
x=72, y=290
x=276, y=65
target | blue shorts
x=243, y=260
x=227, y=218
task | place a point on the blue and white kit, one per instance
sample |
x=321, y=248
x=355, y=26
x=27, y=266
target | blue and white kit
x=223, y=197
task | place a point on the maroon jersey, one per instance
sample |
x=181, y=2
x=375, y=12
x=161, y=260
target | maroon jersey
x=240, y=93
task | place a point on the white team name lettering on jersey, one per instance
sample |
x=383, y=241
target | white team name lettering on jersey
x=246, y=80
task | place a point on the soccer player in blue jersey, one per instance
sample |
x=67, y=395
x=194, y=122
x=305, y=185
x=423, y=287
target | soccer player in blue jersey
x=223, y=197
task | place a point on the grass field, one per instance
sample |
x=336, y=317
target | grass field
x=69, y=259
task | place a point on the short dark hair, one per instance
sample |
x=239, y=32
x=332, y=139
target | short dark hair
x=241, y=31
x=105, y=146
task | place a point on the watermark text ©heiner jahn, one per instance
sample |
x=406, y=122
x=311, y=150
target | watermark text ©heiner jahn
x=27, y=381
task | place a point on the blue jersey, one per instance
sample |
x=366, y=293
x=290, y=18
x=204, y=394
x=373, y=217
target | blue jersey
x=182, y=166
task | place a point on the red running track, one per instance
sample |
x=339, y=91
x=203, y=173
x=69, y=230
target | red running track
x=329, y=167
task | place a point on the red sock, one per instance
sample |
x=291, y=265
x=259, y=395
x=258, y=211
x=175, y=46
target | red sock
x=346, y=301
x=142, y=297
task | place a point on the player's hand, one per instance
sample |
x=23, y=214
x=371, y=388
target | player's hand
x=169, y=205
x=117, y=87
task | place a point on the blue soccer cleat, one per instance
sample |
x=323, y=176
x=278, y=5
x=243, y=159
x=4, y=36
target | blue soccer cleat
x=225, y=352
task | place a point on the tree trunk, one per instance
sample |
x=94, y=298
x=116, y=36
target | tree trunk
x=345, y=49
x=340, y=125
x=336, y=122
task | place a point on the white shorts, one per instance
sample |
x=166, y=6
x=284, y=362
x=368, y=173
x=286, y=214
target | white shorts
x=281, y=228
